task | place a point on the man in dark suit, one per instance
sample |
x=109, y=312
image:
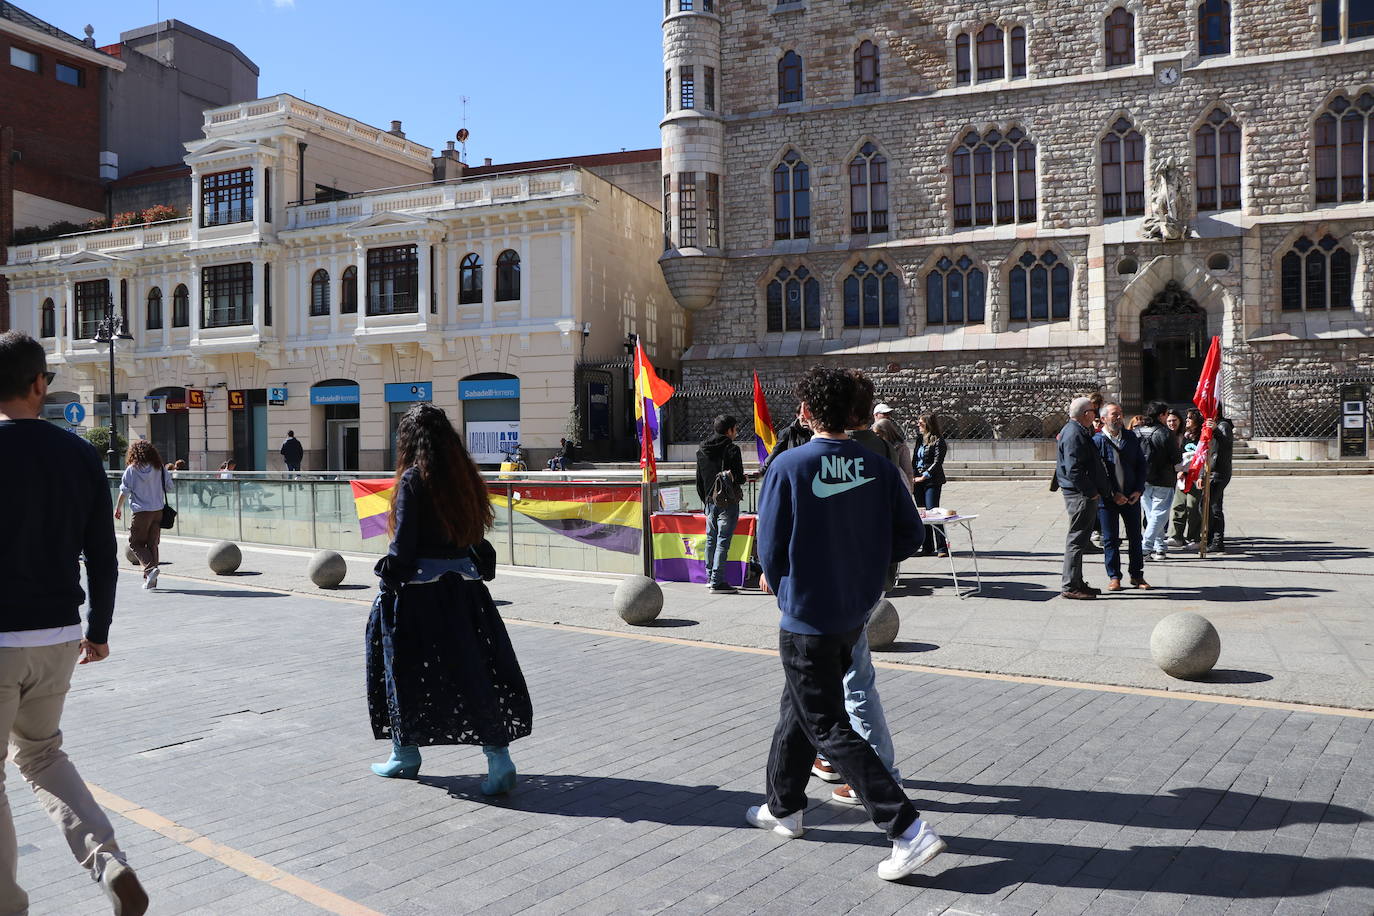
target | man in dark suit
x=1082, y=479
x=1125, y=462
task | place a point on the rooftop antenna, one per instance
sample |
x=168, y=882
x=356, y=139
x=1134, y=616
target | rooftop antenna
x=463, y=134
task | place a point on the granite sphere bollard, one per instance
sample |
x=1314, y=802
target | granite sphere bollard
x=1185, y=645
x=638, y=600
x=327, y=568
x=224, y=558
x=883, y=625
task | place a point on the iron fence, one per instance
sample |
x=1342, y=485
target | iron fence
x=1301, y=405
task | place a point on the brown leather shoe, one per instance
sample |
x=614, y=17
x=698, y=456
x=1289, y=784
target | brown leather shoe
x=1114, y=585
x=822, y=769
x=844, y=795
x=1140, y=583
x=1074, y=593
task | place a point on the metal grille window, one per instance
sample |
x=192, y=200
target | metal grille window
x=868, y=191
x=1040, y=288
x=181, y=307
x=667, y=212
x=1347, y=19
x=92, y=297
x=226, y=197
x=507, y=276
x=708, y=87
x=1123, y=171
x=226, y=295
x=319, y=293
x=348, y=291
x=994, y=179
x=872, y=297
x=1344, y=148
x=47, y=319
x=152, y=319
x=1120, y=38
x=866, y=68
x=1213, y=27
x=393, y=280
x=791, y=198
x=794, y=301
x=470, y=280
x=1217, y=147
x=687, y=209
x=789, y=78
x=1315, y=277
x=956, y=292
x=686, y=87
x=712, y=210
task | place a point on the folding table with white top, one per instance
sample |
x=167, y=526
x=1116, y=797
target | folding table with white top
x=963, y=521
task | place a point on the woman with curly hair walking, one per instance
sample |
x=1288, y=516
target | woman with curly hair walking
x=440, y=667
x=145, y=484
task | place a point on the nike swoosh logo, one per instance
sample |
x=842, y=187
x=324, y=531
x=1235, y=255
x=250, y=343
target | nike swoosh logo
x=824, y=490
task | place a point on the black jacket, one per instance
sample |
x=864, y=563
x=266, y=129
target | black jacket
x=932, y=465
x=716, y=454
x=1162, y=454
x=791, y=436
x=1132, y=459
x=1080, y=468
x=1223, y=443
x=292, y=451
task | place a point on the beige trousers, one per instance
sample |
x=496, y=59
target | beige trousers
x=33, y=687
x=145, y=534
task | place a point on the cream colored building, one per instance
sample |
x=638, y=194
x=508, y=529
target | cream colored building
x=321, y=257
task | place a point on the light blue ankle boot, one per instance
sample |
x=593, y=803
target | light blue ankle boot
x=403, y=764
x=500, y=771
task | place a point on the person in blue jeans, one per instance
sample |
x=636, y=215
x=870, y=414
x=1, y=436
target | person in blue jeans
x=929, y=479
x=1125, y=460
x=719, y=455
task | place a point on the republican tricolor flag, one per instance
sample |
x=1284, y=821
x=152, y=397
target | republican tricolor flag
x=651, y=393
x=1208, y=401
x=763, y=423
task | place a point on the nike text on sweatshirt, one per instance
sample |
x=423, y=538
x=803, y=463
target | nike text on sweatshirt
x=832, y=517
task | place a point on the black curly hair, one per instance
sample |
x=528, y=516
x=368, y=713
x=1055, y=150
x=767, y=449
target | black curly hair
x=427, y=441
x=837, y=398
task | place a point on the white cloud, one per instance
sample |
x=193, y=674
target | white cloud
x=284, y=4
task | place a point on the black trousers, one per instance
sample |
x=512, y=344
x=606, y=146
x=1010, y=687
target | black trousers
x=812, y=718
x=1216, y=515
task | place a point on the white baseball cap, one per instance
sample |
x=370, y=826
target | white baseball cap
x=882, y=408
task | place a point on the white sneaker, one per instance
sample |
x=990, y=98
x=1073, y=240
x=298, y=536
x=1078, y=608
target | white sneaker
x=910, y=854
x=789, y=826
x=1159, y=555
x=151, y=581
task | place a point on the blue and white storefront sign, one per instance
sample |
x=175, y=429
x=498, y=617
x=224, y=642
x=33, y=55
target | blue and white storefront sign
x=489, y=389
x=276, y=397
x=334, y=394
x=74, y=412
x=397, y=392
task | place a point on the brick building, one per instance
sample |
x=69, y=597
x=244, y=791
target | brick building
x=994, y=208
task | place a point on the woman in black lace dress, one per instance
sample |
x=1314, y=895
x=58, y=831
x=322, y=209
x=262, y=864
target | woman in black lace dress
x=440, y=667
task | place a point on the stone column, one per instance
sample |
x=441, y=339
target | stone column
x=995, y=309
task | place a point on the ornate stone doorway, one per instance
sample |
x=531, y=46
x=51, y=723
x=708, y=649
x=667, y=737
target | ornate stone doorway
x=1173, y=342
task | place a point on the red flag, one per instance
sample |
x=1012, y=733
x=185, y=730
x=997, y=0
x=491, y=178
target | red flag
x=1208, y=395
x=1197, y=465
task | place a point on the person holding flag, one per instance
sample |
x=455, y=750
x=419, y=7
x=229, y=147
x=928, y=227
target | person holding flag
x=1214, y=427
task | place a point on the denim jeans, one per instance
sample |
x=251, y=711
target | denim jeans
x=865, y=707
x=812, y=718
x=1156, y=503
x=928, y=497
x=1129, y=515
x=720, y=527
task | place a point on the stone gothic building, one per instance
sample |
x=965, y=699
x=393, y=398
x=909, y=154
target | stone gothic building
x=995, y=207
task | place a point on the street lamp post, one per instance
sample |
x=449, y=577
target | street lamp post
x=108, y=330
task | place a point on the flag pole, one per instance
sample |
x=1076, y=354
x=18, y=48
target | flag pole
x=1206, y=511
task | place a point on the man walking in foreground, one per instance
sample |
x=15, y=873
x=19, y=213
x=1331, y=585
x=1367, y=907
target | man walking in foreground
x=59, y=509
x=830, y=522
x=1083, y=480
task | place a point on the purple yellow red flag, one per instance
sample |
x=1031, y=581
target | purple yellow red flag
x=651, y=393
x=765, y=438
x=372, y=500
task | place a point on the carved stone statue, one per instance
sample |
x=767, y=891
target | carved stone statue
x=1168, y=219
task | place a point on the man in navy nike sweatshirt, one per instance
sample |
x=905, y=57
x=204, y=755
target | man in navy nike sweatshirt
x=831, y=518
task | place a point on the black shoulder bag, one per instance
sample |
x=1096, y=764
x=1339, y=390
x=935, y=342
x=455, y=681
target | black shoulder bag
x=169, y=515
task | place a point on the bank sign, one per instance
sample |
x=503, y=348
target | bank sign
x=334, y=394
x=489, y=389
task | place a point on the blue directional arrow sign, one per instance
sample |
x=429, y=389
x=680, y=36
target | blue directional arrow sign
x=74, y=413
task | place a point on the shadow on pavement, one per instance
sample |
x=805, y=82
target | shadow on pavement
x=670, y=622
x=1240, y=593
x=904, y=646
x=216, y=593
x=1283, y=550
x=1234, y=676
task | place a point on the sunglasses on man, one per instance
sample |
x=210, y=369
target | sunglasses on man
x=48, y=376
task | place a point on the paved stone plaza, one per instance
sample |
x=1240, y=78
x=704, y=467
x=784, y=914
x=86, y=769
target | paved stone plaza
x=229, y=729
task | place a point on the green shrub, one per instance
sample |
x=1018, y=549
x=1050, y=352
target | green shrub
x=99, y=436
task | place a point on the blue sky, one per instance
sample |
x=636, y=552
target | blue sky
x=544, y=78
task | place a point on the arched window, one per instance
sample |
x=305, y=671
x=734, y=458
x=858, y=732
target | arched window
x=1357, y=17
x=872, y=297
x=1123, y=171
x=47, y=319
x=992, y=63
x=866, y=68
x=507, y=276
x=1315, y=277
x=790, y=78
x=319, y=293
x=994, y=179
x=1344, y=146
x=956, y=292
x=348, y=291
x=1213, y=27
x=181, y=307
x=794, y=301
x=470, y=280
x=963, y=72
x=1039, y=288
x=152, y=319
x=1120, y=37
x=1217, y=147
x=1018, y=53
x=791, y=198
x=868, y=191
